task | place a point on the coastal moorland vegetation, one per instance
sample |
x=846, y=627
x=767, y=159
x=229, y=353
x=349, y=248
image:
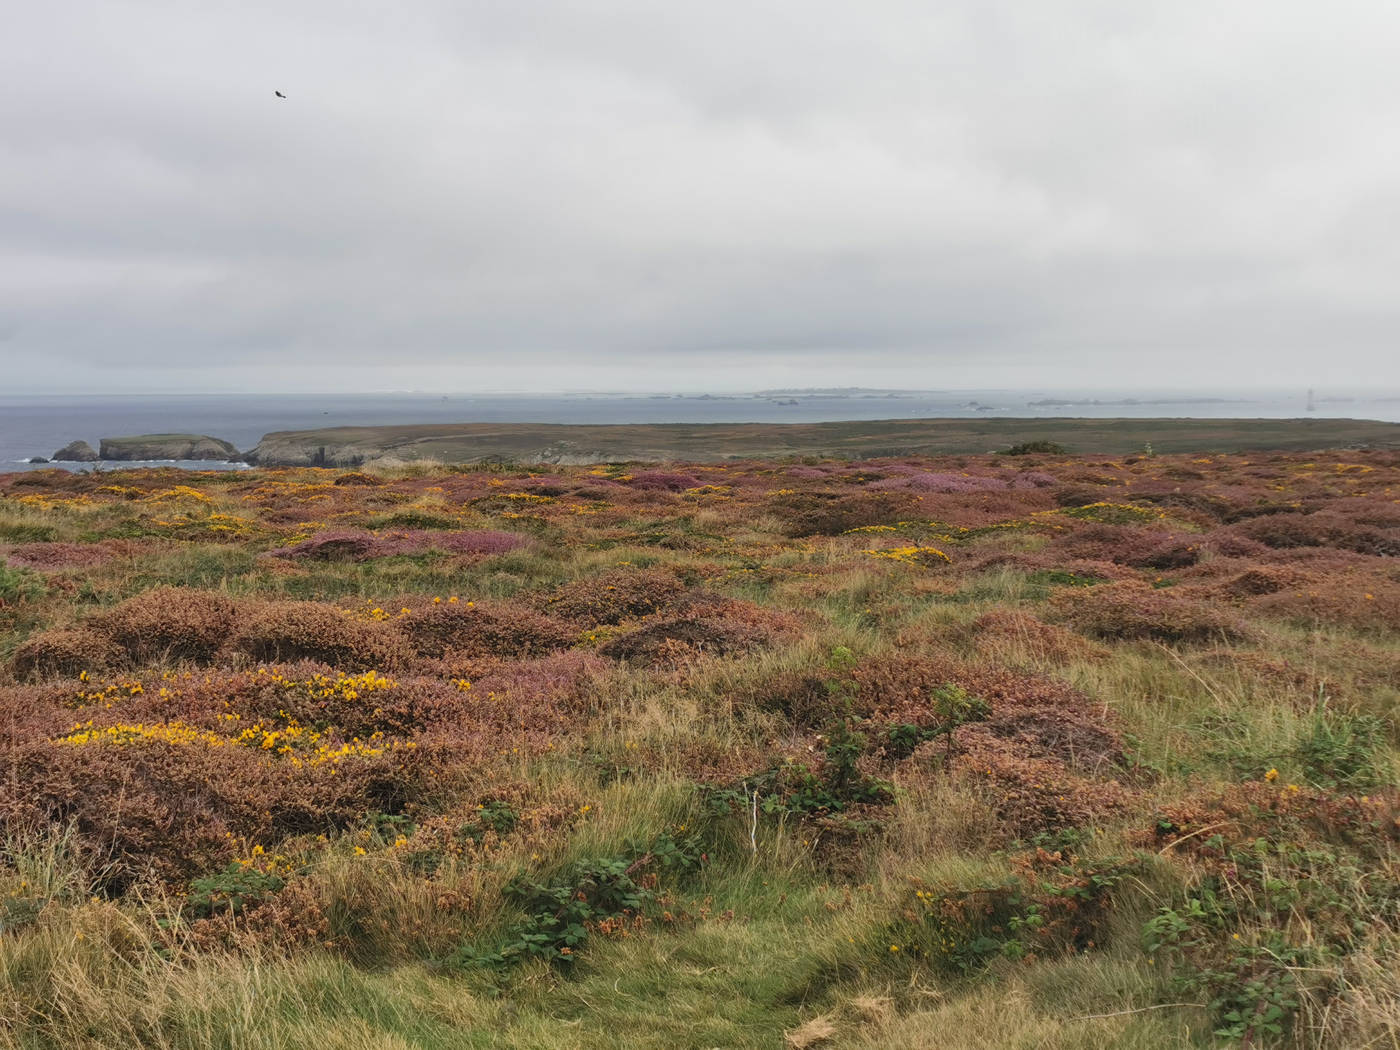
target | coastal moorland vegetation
x=1035, y=750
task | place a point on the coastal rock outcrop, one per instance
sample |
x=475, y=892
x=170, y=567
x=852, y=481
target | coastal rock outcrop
x=169, y=446
x=76, y=452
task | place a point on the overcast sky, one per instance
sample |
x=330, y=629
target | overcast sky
x=729, y=195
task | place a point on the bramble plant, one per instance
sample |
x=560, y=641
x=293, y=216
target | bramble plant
x=589, y=896
x=236, y=888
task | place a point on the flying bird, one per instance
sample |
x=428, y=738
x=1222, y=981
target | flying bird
x=279, y=94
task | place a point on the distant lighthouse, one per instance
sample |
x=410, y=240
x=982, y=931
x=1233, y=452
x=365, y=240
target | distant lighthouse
x=1312, y=403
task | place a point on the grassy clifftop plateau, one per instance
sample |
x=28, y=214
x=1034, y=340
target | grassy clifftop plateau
x=712, y=442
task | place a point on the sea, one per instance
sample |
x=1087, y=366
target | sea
x=37, y=425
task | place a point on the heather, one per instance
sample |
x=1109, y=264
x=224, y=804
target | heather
x=1031, y=750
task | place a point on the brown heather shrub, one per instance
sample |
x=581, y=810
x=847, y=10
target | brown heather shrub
x=1323, y=529
x=169, y=624
x=1079, y=495
x=288, y=631
x=613, y=596
x=1032, y=795
x=1132, y=610
x=1363, y=603
x=799, y=693
x=1004, y=631
x=1035, y=716
x=1243, y=813
x=828, y=513
x=356, y=545
x=483, y=629
x=1258, y=509
x=701, y=625
x=566, y=683
x=67, y=555
x=1170, y=554
x=1262, y=579
x=1122, y=545
x=65, y=653
x=1229, y=544
x=662, y=481
x=164, y=810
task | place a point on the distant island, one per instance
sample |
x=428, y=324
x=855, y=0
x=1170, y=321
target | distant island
x=1057, y=402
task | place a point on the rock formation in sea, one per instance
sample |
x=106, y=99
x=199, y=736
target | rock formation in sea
x=75, y=452
x=169, y=446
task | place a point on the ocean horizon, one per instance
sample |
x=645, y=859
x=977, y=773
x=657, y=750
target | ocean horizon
x=37, y=425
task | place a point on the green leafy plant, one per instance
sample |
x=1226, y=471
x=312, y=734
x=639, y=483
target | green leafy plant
x=233, y=890
x=494, y=815
x=561, y=913
x=1051, y=905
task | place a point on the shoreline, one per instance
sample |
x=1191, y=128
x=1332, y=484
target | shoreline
x=578, y=443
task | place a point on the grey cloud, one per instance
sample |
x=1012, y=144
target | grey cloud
x=807, y=192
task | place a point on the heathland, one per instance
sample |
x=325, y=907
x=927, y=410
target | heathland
x=1037, y=750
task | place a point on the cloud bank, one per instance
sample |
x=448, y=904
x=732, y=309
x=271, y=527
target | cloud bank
x=626, y=194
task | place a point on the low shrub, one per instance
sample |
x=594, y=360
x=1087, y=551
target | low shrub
x=352, y=545
x=483, y=629
x=289, y=631
x=1035, y=448
x=703, y=625
x=1033, y=795
x=613, y=596
x=1131, y=610
x=1052, y=905
x=594, y=897
x=1322, y=529
x=170, y=624
x=832, y=513
x=65, y=653
x=1365, y=604
x=1282, y=892
x=662, y=481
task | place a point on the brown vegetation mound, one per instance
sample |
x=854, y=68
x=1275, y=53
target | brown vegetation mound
x=170, y=624
x=1128, y=610
x=285, y=632
x=709, y=625
x=65, y=653
x=614, y=596
x=483, y=629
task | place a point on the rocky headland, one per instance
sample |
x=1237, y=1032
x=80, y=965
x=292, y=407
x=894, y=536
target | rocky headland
x=168, y=446
x=571, y=444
